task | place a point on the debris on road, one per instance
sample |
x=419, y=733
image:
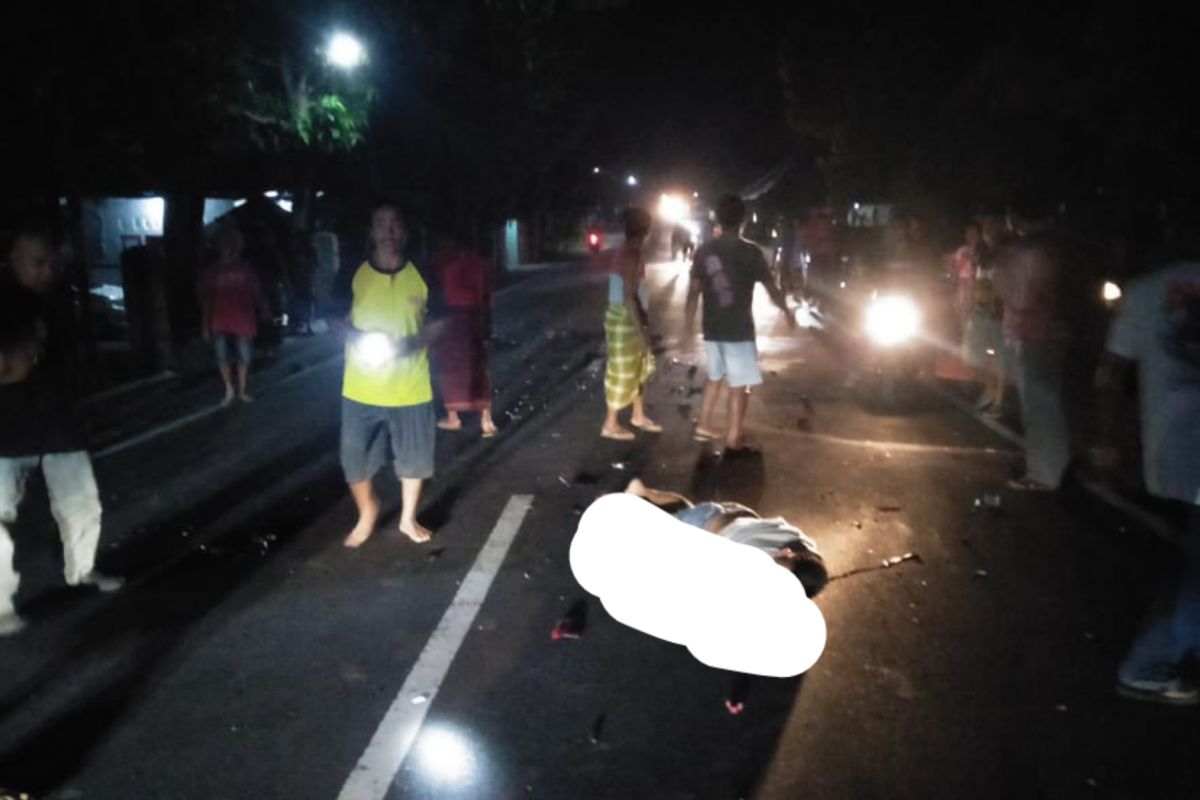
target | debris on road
x=981, y=573
x=563, y=481
x=887, y=563
x=420, y=698
x=889, y=509
x=597, y=729
x=735, y=703
x=990, y=502
x=572, y=625
x=619, y=465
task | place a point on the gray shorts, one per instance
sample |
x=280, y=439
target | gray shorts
x=372, y=434
x=232, y=349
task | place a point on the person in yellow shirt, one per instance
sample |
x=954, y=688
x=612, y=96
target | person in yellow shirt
x=387, y=396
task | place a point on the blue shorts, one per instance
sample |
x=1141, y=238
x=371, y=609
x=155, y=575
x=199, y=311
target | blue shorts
x=734, y=362
x=370, y=434
x=233, y=349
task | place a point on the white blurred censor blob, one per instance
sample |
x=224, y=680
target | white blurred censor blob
x=731, y=605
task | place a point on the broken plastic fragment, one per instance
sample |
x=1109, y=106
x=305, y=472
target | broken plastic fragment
x=981, y=573
x=420, y=699
x=563, y=481
x=991, y=502
x=597, y=729
x=573, y=622
x=620, y=465
x=894, y=560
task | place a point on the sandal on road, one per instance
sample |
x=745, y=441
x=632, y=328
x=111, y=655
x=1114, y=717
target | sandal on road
x=701, y=435
x=617, y=435
x=648, y=426
x=448, y=426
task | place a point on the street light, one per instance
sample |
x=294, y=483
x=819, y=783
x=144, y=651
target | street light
x=345, y=51
x=631, y=180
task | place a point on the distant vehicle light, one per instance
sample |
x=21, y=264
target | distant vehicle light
x=673, y=208
x=1111, y=292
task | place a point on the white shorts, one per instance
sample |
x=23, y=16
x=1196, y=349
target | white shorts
x=734, y=362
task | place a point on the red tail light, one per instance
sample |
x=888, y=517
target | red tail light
x=593, y=238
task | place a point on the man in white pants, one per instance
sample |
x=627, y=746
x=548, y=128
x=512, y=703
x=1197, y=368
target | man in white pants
x=40, y=427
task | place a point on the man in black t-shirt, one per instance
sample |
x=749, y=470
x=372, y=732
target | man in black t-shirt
x=724, y=272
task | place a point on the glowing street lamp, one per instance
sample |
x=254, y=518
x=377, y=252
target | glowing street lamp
x=631, y=180
x=345, y=52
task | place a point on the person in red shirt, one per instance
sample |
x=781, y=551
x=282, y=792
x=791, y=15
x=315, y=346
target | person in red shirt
x=231, y=303
x=460, y=356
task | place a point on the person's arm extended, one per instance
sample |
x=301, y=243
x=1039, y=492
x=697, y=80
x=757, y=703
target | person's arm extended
x=693, y=295
x=776, y=294
x=630, y=280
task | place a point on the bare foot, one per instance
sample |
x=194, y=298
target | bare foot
x=450, y=425
x=415, y=531
x=363, y=530
x=636, y=487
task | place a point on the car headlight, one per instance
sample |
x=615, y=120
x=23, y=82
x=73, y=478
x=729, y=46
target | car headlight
x=374, y=351
x=1110, y=292
x=892, y=320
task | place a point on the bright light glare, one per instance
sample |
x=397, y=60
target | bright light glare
x=632, y=180
x=445, y=756
x=807, y=316
x=595, y=170
x=271, y=195
x=689, y=587
x=1111, y=292
x=673, y=208
x=374, y=351
x=345, y=51
x=892, y=320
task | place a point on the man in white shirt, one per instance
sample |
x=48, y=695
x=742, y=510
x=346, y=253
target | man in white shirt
x=1157, y=331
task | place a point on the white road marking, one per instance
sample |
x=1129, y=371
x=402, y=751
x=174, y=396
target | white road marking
x=372, y=777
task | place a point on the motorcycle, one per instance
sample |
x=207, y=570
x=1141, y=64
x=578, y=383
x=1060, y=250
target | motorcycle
x=895, y=349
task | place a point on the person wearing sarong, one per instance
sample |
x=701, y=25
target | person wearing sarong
x=460, y=353
x=627, y=332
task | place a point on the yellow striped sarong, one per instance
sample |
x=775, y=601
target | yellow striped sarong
x=630, y=364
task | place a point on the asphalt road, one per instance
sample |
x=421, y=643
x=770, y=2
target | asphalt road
x=252, y=656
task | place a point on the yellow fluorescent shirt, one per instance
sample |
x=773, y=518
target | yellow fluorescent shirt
x=393, y=304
